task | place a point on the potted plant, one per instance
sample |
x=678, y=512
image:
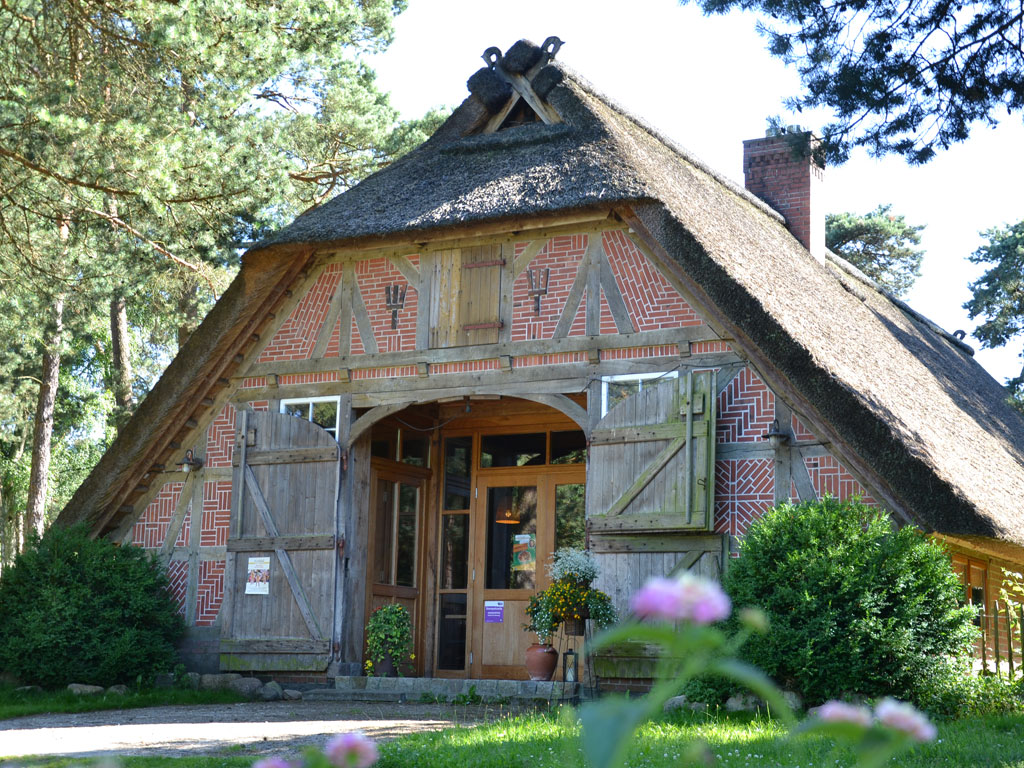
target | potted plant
x=388, y=641
x=568, y=602
x=541, y=657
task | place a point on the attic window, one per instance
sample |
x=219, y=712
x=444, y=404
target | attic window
x=521, y=114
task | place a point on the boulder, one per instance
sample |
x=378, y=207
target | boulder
x=191, y=680
x=163, y=680
x=217, y=682
x=28, y=689
x=290, y=694
x=246, y=686
x=676, y=702
x=743, y=703
x=118, y=690
x=80, y=689
x=271, y=692
x=793, y=699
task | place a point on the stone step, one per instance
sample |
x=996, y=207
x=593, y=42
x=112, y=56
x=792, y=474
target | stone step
x=442, y=689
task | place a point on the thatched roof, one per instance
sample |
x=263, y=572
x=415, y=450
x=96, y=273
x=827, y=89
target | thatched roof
x=901, y=401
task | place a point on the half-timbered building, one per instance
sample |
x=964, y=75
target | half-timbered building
x=547, y=326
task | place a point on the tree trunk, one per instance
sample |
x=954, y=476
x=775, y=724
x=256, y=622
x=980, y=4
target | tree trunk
x=43, y=430
x=121, y=361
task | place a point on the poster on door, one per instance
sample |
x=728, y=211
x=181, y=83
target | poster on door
x=524, y=552
x=257, y=581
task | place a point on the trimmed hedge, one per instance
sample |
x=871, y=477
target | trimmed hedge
x=81, y=610
x=855, y=606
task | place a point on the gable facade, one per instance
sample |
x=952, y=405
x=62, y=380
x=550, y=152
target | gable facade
x=490, y=336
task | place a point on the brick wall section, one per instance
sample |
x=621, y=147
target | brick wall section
x=652, y=302
x=829, y=476
x=186, y=526
x=372, y=276
x=579, y=323
x=221, y=438
x=384, y=373
x=709, y=347
x=800, y=430
x=150, y=529
x=177, y=575
x=789, y=183
x=307, y=378
x=210, y=592
x=296, y=338
x=216, y=514
x=562, y=256
x=471, y=366
x=746, y=409
x=744, y=491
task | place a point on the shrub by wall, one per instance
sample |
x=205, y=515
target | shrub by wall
x=856, y=607
x=78, y=610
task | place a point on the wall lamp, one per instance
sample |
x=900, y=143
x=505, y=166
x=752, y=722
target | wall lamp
x=775, y=435
x=191, y=462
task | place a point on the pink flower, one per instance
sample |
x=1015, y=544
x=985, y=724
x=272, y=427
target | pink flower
x=272, y=762
x=351, y=750
x=841, y=712
x=903, y=717
x=688, y=597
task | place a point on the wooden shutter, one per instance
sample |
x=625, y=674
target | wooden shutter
x=466, y=295
x=652, y=460
x=284, y=498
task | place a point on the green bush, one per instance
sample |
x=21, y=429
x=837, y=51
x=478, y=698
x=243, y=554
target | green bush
x=973, y=696
x=856, y=607
x=85, y=611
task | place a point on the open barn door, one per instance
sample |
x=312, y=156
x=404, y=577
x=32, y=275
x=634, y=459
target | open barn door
x=650, y=486
x=282, y=563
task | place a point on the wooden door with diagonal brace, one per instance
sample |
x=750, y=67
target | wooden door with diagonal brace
x=284, y=496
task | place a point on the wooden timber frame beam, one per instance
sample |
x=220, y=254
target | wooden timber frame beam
x=190, y=411
x=766, y=369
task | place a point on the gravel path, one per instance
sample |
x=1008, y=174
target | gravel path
x=260, y=728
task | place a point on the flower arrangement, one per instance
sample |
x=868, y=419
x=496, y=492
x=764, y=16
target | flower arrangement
x=388, y=639
x=570, y=596
x=572, y=564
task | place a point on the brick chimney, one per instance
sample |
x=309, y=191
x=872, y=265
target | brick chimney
x=781, y=170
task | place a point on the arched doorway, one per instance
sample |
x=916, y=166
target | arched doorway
x=469, y=500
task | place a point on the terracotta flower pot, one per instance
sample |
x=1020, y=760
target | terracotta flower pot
x=541, y=661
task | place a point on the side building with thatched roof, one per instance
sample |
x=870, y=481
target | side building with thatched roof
x=547, y=326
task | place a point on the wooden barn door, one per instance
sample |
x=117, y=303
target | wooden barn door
x=281, y=572
x=650, y=485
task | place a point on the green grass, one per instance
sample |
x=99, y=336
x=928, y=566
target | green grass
x=13, y=704
x=546, y=741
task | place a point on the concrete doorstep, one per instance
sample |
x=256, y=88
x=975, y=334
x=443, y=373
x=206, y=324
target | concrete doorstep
x=413, y=689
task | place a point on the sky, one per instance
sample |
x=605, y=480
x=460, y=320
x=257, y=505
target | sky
x=708, y=83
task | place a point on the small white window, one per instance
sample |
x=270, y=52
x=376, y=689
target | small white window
x=322, y=411
x=615, y=389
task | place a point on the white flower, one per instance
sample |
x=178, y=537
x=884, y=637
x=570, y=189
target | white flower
x=903, y=717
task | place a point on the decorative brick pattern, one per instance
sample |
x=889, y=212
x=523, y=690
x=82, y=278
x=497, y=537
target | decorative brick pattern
x=296, y=338
x=216, y=514
x=221, y=438
x=254, y=382
x=177, y=575
x=800, y=430
x=260, y=405
x=638, y=353
x=210, y=592
x=709, y=347
x=372, y=276
x=607, y=324
x=385, y=373
x=150, y=529
x=355, y=340
x=530, y=361
x=744, y=491
x=829, y=476
x=579, y=323
x=334, y=344
x=652, y=302
x=746, y=409
x=562, y=256
x=307, y=378
x=186, y=527
x=470, y=366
